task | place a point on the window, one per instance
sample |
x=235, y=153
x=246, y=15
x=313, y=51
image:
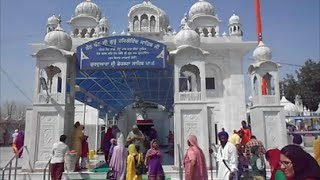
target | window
x=210, y=84
x=59, y=84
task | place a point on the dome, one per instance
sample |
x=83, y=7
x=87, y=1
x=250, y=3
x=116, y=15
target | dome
x=289, y=107
x=59, y=39
x=88, y=8
x=53, y=20
x=103, y=21
x=234, y=19
x=187, y=36
x=145, y=6
x=201, y=7
x=262, y=52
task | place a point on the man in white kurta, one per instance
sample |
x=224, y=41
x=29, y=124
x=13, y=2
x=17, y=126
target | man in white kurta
x=227, y=158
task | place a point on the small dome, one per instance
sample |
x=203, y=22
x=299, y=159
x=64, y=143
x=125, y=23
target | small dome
x=262, y=52
x=147, y=6
x=184, y=20
x=59, y=39
x=53, y=20
x=234, y=19
x=103, y=21
x=187, y=36
x=201, y=7
x=289, y=107
x=88, y=8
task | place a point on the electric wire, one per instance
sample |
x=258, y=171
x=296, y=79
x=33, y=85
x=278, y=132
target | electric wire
x=15, y=85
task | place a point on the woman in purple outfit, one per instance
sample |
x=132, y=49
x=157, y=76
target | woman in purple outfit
x=153, y=161
x=118, y=159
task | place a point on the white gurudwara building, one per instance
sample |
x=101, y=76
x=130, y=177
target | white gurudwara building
x=202, y=84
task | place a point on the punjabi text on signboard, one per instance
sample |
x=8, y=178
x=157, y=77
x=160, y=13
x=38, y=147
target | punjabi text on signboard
x=122, y=52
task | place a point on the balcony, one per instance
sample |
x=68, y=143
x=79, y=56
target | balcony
x=265, y=100
x=189, y=96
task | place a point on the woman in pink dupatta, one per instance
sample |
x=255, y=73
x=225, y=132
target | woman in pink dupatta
x=194, y=161
x=118, y=159
x=153, y=161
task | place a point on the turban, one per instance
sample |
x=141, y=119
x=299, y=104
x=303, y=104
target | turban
x=223, y=133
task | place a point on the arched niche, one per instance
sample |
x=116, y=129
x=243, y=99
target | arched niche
x=205, y=32
x=189, y=79
x=152, y=23
x=50, y=80
x=267, y=85
x=255, y=86
x=136, y=24
x=144, y=23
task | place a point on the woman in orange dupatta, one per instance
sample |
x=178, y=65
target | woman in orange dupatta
x=194, y=161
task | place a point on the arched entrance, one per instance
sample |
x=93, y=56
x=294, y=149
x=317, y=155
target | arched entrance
x=129, y=80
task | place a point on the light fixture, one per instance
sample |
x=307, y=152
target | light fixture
x=101, y=106
x=77, y=88
x=89, y=99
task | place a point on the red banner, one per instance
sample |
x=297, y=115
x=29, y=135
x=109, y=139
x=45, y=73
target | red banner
x=144, y=122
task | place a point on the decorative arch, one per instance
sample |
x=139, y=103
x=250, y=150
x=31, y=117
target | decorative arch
x=205, y=32
x=213, y=32
x=267, y=85
x=76, y=32
x=49, y=79
x=144, y=23
x=92, y=32
x=136, y=24
x=255, y=85
x=153, y=23
x=84, y=32
x=197, y=30
x=189, y=79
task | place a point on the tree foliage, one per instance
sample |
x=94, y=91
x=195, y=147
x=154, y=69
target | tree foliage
x=306, y=83
x=14, y=110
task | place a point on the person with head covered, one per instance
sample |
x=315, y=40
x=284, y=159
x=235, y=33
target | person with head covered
x=136, y=137
x=194, y=161
x=227, y=158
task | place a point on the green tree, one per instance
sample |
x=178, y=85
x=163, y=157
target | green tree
x=306, y=84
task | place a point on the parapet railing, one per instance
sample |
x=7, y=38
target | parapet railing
x=9, y=167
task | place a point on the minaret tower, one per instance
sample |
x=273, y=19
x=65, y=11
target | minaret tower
x=266, y=112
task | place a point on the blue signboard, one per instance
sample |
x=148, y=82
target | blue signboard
x=122, y=52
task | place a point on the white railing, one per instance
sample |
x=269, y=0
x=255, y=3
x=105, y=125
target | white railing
x=9, y=167
x=49, y=98
x=189, y=96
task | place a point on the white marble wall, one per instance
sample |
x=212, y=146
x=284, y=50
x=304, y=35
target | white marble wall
x=191, y=119
x=268, y=125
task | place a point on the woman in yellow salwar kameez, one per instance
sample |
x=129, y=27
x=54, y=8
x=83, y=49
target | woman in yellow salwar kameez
x=76, y=142
x=134, y=158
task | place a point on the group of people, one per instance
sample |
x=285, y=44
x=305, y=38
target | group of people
x=130, y=163
x=234, y=156
x=79, y=147
x=238, y=152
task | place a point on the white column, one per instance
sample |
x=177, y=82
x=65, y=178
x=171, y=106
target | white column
x=97, y=132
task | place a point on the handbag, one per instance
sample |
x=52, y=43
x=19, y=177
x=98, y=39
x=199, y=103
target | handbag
x=141, y=169
x=110, y=175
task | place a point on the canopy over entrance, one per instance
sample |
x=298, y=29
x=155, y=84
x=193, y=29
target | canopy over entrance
x=116, y=71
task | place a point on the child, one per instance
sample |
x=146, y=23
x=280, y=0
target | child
x=113, y=142
x=256, y=164
x=84, y=154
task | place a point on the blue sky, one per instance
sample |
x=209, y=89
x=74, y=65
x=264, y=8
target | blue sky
x=290, y=29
